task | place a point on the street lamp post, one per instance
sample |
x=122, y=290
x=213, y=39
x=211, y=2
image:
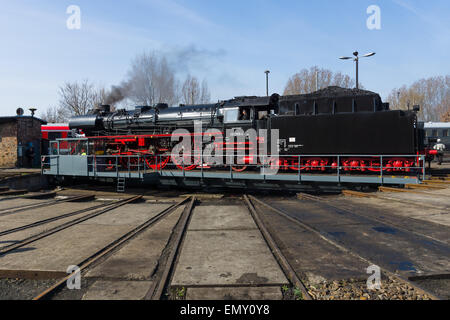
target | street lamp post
x=267, y=82
x=356, y=59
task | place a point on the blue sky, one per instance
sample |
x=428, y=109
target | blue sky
x=230, y=43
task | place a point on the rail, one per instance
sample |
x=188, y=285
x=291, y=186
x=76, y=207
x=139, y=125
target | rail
x=110, y=249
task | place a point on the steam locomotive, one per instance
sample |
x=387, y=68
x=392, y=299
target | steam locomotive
x=313, y=130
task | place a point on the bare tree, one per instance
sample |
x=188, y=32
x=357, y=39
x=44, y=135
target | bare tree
x=151, y=80
x=205, y=96
x=432, y=94
x=99, y=96
x=77, y=98
x=194, y=93
x=190, y=91
x=446, y=116
x=307, y=80
x=53, y=115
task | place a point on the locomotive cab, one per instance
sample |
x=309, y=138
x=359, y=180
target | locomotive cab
x=238, y=115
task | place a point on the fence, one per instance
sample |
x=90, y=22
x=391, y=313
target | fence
x=376, y=168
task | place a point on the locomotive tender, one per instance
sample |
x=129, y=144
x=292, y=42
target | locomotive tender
x=313, y=129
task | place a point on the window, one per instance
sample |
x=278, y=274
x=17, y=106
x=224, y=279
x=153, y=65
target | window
x=231, y=115
x=54, y=135
x=72, y=147
x=444, y=133
x=54, y=148
x=434, y=133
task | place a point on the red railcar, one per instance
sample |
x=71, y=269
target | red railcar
x=53, y=131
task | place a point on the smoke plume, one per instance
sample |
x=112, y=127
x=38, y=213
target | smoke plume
x=118, y=93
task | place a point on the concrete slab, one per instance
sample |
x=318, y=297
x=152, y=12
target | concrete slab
x=58, y=251
x=445, y=191
x=139, y=258
x=117, y=290
x=405, y=209
x=433, y=197
x=442, y=218
x=221, y=217
x=229, y=257
x=129, y=214
x=241, y=293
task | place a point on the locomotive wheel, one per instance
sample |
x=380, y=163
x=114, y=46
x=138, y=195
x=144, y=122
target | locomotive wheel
x=186, y=168
x=155, y=163
x=295, y=167
x=239, y=169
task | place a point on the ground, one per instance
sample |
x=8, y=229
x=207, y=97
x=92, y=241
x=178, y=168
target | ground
x=329, y=242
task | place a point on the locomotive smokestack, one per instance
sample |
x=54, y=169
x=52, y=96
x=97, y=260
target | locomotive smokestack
x=104, y=108
x=101, y=109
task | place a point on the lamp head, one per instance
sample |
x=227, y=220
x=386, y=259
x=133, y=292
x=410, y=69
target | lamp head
x=33, y=110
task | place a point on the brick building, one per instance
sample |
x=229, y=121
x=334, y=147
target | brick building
x=17, y=135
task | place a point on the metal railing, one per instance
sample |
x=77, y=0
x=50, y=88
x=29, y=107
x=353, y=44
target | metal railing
x=130, y=165
x=46, y=164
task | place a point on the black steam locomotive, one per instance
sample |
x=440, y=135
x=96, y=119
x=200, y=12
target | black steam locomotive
x=314, y=129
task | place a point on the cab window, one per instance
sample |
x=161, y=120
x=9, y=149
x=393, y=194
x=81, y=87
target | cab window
x=244, y=114
x=231, y=115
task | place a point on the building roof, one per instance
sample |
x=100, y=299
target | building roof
x=15, y=118
x=432, y=125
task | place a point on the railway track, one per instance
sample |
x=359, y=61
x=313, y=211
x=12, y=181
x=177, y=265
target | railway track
x=385, y=221
x=160, y=285
x=8, y=211
x=10, y=248
x=112, y=247
x=358, y=194
x=32, y=195
x=317, y=229
x=63, y=216
x=294, y=256
x=161, y=288
x=277, y=252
